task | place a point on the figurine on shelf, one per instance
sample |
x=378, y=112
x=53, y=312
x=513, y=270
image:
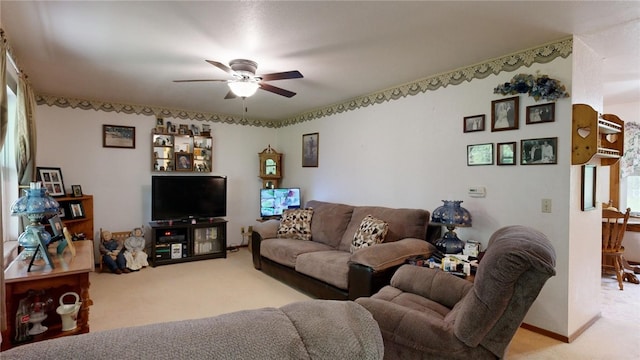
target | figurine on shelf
x=134, y=250
x=112, y=254
x=40, y=305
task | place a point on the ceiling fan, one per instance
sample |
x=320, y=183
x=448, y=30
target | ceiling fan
x=246, y=83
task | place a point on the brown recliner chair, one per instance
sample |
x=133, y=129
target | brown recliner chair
x=429, y=314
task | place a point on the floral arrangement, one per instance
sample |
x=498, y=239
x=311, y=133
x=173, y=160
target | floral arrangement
x=538, y=86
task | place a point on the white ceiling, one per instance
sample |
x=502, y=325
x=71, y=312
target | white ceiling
x=129, y=52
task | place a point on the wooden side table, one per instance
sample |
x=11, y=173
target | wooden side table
x=69, y=274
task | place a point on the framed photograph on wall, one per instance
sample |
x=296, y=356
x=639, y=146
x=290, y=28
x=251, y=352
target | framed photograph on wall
x=473, y=123
x=480, y=154
x=115, y=136
x=504, y=114
x=310, y=146
x=541, y=151
x=538, y=114
x=506, y=153
x=51, y=179
x=588, y=199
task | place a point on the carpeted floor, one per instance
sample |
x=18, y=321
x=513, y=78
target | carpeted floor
x=211, y=287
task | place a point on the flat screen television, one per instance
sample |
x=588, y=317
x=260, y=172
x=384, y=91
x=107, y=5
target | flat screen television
x=274, y=201
x=188, y=197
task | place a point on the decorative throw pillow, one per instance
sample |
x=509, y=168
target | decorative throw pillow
x=372, y=231
x=296, y=224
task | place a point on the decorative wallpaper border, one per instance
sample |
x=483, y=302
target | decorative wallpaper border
x=541, y=54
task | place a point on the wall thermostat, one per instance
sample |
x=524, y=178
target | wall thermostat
x=477, y=191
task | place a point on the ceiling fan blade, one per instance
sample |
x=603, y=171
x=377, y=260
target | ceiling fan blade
x=221, y=66
x=230, y=95
x=295, y=74
x=276, y=90
x=196, y=80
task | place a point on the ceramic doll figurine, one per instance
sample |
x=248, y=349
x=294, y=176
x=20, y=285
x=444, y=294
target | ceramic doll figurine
x=134, y=250
x=112, y=254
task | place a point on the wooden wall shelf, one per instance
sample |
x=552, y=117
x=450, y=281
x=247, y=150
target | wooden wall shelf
x=595, y=135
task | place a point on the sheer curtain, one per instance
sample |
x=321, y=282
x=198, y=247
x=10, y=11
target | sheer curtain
x=630, y=162
x=25, y=132
x=4, y=121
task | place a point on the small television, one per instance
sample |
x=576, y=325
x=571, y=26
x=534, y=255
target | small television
x=274, y=201
x=188, y=197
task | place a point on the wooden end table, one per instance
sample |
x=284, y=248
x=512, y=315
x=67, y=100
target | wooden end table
x=69, y=274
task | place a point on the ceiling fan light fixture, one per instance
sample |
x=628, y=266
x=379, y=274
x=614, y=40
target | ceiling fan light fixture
x=244, y=88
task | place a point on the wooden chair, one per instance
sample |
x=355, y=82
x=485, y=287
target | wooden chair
x=614, y=226
x=120, y=236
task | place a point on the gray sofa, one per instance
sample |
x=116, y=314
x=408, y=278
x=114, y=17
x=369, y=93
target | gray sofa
x=316, y=329
x=324, y=267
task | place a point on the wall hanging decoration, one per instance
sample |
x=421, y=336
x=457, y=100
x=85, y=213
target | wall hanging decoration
x=480, y=154
x=116, y=136
x=539, y=151
x=538, y=86
x=506, y=153
x=505, y=114
x=473, y=123
x=588, y=199
x=310, y=144
x=538, y=114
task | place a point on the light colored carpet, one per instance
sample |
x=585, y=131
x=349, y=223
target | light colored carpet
x=212, y=287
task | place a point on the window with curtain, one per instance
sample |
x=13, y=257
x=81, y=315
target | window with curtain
x=630, y=169
x=9, y=187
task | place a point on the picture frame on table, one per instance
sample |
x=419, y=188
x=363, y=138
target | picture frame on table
x=56, y=225
x=588, y=187
x=310, y=148
x=77, y=210
x=541, y=151
x=480, y=154
x=51, y=179
x=76, y=190
x=117, y=136
x=473, y=123
x=504, y=114
x=538, y=114
x=506, y=153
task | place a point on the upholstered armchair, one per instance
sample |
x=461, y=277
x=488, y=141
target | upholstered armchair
x=430, y=314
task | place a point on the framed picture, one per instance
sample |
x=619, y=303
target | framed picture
x=506, y=153
x=539, y=151
x=77, y=211
x=56, y=225
x=310, y=144
x=62, y=212
x=184, y=161
x=473, y=123
x=115, y=136
x=504, y=114
x=76, y=190
x=480, y=154
x=51, y=179
x=195, y=130
x=538, y=114
x=183, y=129
x=588, y=199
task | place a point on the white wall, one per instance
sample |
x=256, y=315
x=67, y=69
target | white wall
x=405, y=153
x=120, y=179
x=412, y=153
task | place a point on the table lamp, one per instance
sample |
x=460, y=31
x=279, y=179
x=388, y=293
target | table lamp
x=35, y=204
x=451, y=215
